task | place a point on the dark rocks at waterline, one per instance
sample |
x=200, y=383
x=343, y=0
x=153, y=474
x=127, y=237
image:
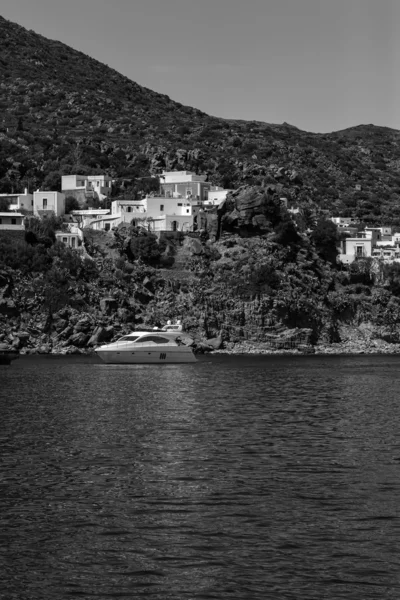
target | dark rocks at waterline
x=101, y=335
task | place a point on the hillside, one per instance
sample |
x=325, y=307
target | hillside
x=278, y=291
x=63, y=112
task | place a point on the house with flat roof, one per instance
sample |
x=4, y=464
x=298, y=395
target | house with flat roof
x=354, y=248
x=129, y=210
x=169, y=214
x=216, y=195
x=184, y=184
x=72, y=238
x=48, y=203
x=86, y=187
x=19, y=201
x=86, y=217
x=11, y=221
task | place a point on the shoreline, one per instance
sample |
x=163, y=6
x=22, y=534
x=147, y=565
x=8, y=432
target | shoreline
x=253, y=349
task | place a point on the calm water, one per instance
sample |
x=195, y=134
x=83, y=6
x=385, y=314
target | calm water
x=233, y=478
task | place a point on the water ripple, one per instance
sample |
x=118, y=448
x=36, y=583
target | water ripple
x=250, y=477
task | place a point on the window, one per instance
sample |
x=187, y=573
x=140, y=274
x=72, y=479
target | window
x=107, y=227
x=153, y=338
x=1, y=221
x=13, y=221
x=188, y=210
x=128, y=338
x=205, y=194
x=65, y=240
x=179, y=203
x=44, y=203
x=161, y=207
x=129, y=209
x=359, y=250
x=73, y=242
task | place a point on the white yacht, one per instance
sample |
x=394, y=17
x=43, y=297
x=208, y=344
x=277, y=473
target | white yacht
x=153, y=346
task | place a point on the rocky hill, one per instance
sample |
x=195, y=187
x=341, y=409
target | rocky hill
x=262, y=284
x=63, y=112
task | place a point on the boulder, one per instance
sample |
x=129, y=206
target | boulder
x=100, y=335
x=5, y=285
x=195, y=246
x=108, y=305
x=83, y=325
x=143, y=296
x=79, y=339
x=129, y=267
x=23, y=336
x=44, y=349
x=66, y=333
x=186, y=340
x=214, y=343
x=60, y=324
x=148, y=284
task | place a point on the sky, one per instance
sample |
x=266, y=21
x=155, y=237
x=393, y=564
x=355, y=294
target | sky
x=321, y=65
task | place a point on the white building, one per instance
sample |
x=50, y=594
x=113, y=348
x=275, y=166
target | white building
x=19, y=201
x=343, y=221
x=184, y=184
x=11, y=221
x=89, y=185
x=169, y=214
x=73, y=238
x=129, y=210
x=86, y=217
x=353, y=248
x=387, y=253
x=157, y=213
x=47, y=203
x=216, y=195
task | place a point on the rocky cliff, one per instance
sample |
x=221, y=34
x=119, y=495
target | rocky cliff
x=256, y=281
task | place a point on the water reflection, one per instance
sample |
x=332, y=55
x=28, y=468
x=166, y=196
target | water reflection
x=229, y=478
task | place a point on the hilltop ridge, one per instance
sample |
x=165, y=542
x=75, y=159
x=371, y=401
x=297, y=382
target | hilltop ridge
x=64, y=112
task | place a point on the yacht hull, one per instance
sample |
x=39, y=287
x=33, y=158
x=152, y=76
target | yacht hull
x=170, y=355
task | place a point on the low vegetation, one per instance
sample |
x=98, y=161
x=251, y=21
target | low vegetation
x=62, y=112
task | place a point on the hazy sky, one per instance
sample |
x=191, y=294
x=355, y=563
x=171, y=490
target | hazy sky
x=321, y=65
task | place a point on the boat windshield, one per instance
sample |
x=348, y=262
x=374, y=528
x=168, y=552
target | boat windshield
x=156, y=339
x=128, y=338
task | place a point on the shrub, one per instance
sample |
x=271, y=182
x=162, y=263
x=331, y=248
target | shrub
x=325, y=237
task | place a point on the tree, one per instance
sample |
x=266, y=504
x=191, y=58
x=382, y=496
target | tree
x=144, y=245
x=286, y=234
x=52, y=181
x=325, y=238
x=71, y=203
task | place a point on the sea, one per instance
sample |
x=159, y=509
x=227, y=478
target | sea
x=237, y=477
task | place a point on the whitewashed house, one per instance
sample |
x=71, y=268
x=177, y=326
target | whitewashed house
x=184, y=184
x=89, y=186
x=73, y=238
x=216, y=196
x=12, y=221
x=19, y=201
x=48, y=203
x=85, y=218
